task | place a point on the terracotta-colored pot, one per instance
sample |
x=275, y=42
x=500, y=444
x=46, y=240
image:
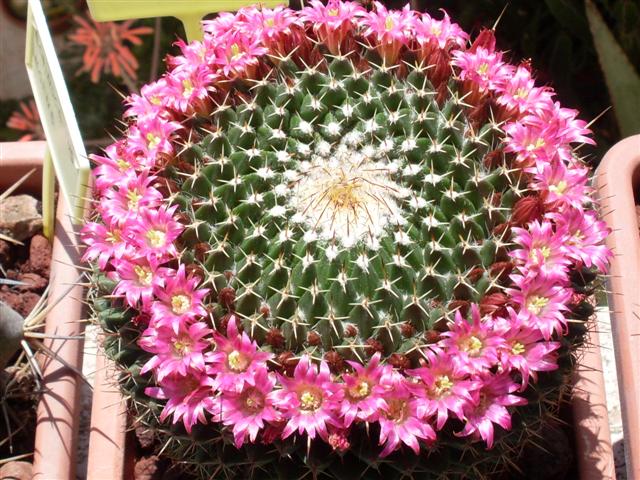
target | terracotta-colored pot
x=618, y=184
x=57, y=417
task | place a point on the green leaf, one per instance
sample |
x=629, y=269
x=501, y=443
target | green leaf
x=622, y=79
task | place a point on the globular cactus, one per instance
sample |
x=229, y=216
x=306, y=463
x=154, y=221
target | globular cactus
x=334, y=229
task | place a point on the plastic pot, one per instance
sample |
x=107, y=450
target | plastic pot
x=57, y=415
x=618, y=184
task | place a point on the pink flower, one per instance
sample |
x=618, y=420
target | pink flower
x=563, y=121
x=483, y=68
x=188, y=397
x=543, y=249
x=387, y=30
x=188, y=89
x=137, y=279
x=132, y=192
x=473, y=346
x=236, y=358
x=519, y=94
x=179, y=301
x=535, y=145
x=104, y=241
x=442, y=34
x=541, y=301
x=525, y=350
x=151, y=102
x=273, y=26
x=444, y=387
x=333, y=23
x=150, y=137
x=400, y=422
x=238, y=55
x=490, y=406
x=309, y=400
x=561, y=186
x=584, y=237
x=112, y=166
x=363, y=392
x=155, y=232
x=175, y=352
x=247, y=410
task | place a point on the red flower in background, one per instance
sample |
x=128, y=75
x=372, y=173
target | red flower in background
x=27, y=119
x=106, y=50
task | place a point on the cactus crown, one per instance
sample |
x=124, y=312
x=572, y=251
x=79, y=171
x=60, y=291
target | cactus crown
x=330, y=220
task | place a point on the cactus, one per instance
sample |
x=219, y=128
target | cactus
x=332, y=239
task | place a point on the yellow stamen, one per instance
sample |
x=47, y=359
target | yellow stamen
x=235, y=51
x=133, y=198
x=472, y=345
x=123, y=165
x=536, y=304
x=114, y=236
x=145, y=277
x=483, y=69
x=180, y=304
x=517, y=348
x=182, y=345
x=361, y=390
x=441, y=386
x=187, y=88
x=388, y=23
x=333, y=12
x=559, y=188
x=156, y=238
x=310, y=400
x=237, y=361
x=152, y=140
x=155, y=100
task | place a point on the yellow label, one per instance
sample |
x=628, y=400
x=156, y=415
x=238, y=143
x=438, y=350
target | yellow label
x=189, y=12
x=61, y=130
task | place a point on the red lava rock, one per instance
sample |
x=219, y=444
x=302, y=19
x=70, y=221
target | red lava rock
x=22, y=302
x=147, y=468
x=39, y=255
x=16, y=471
x=34, y=282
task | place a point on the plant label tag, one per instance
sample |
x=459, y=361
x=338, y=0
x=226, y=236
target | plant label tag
x=189, y=12
x=59, y=123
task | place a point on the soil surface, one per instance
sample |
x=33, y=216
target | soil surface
x=29, y=264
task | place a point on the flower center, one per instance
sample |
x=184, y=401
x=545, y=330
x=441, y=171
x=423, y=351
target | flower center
x=133, y=199
x=237, y=362
x=441, y=386
x=483, y=69
x=472, y=345
x=388, y=23
x=155, y=100
x=187, y=88
x=559, y=188
x=113, y=236
x=539, y=143
x=333, y=12
x=361, y=390
x=145, y=276
x=236, y=51
x=156, y=238
x=123, y=165
x=517, y=348
x=152, y=141
x=253, y=400
x=536, y=304
x=397, y=410
x=182, y=345
x=180, y=304
x=310, y=400
x=521, y=93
